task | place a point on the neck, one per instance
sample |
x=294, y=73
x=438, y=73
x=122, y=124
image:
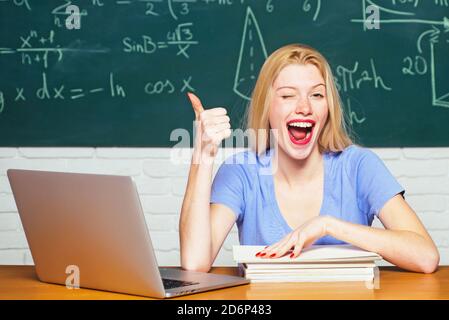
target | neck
x=295, y=172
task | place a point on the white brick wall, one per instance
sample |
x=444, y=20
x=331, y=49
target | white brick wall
x=424, y=172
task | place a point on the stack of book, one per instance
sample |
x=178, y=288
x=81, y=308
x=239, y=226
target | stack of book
x=318, y=263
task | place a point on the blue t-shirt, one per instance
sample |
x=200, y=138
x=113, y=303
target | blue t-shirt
x=357, y=184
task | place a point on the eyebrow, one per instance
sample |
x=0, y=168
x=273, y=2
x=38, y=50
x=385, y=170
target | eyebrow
x=291, y=87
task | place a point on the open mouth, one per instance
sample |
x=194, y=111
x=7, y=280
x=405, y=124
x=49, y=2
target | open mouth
x=300, y=132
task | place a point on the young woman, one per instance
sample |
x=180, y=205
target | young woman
x=322, y=188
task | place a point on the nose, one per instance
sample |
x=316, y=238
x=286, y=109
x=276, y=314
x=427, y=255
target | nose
x=303, y=106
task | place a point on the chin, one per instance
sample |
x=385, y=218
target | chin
x=297, y=152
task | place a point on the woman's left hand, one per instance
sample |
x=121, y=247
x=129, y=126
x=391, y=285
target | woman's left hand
x=298, y=239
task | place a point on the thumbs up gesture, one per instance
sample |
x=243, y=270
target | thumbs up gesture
x=212, y=127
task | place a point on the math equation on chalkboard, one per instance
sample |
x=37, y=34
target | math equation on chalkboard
x=116, y=72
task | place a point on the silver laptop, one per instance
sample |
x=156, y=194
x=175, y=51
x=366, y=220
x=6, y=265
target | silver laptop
x=94, y=225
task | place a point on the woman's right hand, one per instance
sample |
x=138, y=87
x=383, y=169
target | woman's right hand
x=212, y=127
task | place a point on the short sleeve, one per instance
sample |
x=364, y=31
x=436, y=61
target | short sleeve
x=375, y=184
x=228, y=188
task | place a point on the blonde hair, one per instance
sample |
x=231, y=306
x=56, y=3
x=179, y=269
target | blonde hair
x=334, y=136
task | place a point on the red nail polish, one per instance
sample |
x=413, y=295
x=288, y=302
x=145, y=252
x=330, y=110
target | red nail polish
x=291, y=256
x=263, y=254
x=257, y=254
x=273, y=255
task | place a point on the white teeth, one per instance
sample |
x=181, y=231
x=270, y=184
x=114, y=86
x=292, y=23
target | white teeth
x=301, y=124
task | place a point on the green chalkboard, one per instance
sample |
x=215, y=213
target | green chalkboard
x=121, y=78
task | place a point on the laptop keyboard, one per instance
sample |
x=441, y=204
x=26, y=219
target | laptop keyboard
x=171, y=283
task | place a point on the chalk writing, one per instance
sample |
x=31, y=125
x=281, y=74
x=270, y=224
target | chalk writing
x=168, y=87
x=38, y=48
